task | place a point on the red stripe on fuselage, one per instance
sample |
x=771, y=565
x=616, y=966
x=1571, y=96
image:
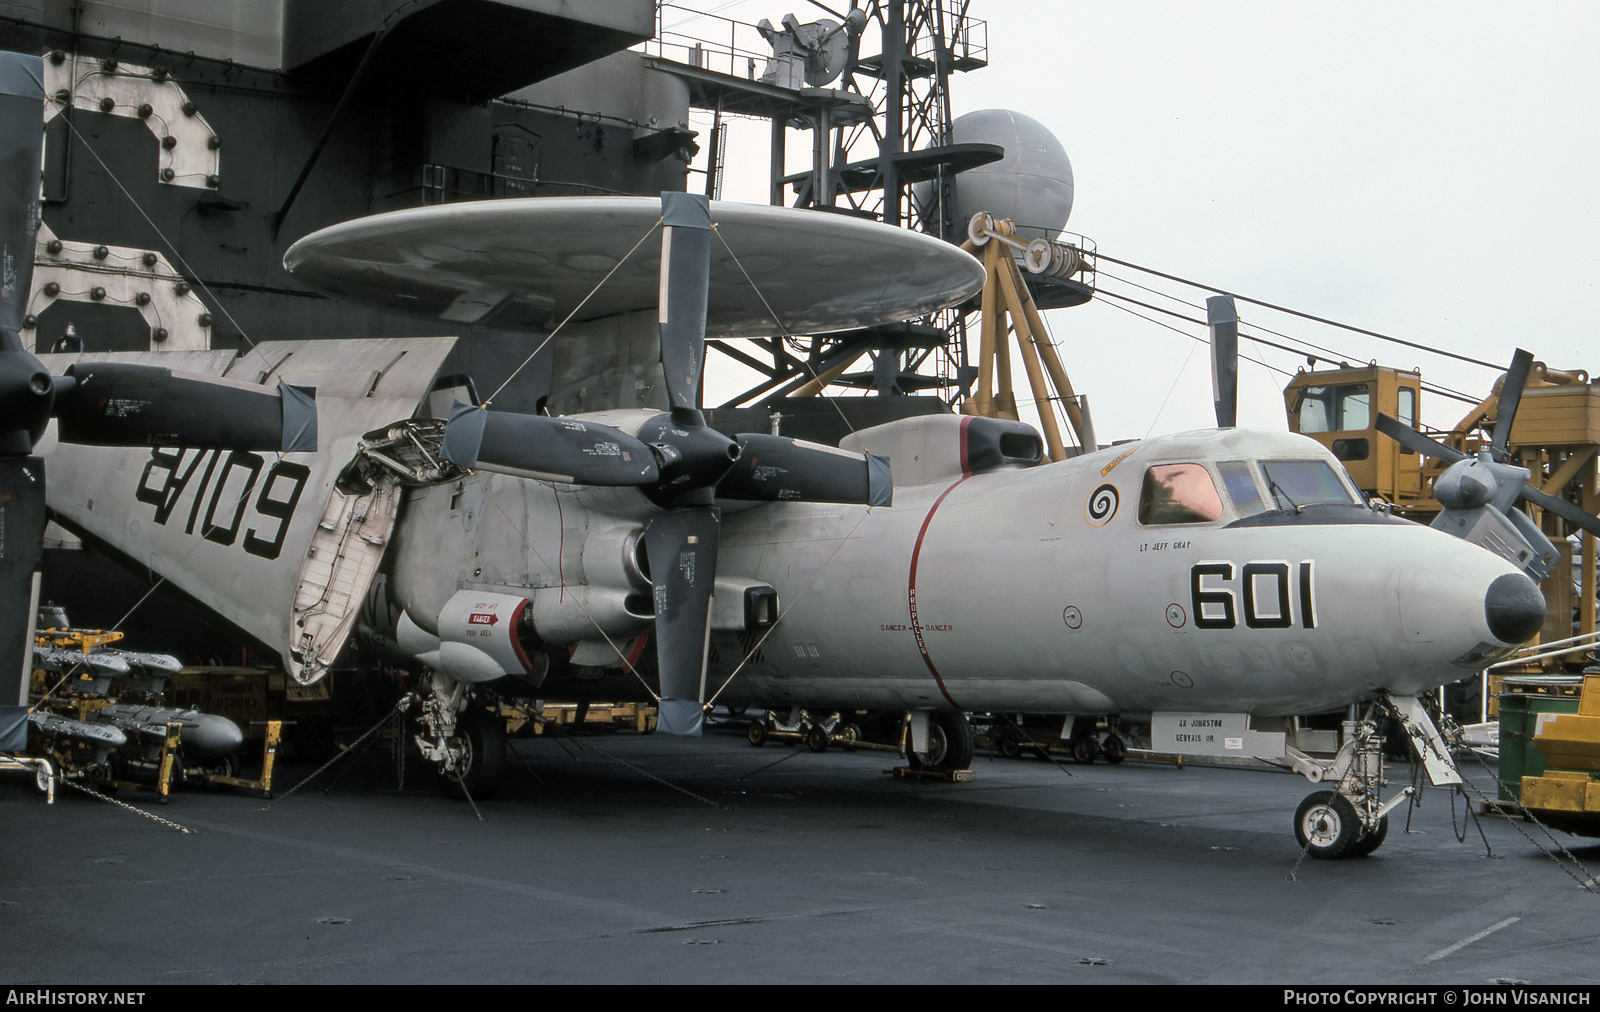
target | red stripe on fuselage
x=916, y=554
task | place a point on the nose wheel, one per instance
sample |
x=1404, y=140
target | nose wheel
x=1326, y=824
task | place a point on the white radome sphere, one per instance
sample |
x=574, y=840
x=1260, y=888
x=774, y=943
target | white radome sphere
x=1031, y=185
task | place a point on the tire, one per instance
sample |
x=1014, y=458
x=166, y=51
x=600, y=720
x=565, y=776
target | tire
x=42, y=774
x=227, y=766
x=1326, y=825
x=1114, y=749
x=849, y=734
x=1083, y=749
x=484, y=739
x=949, y=744
x=757, y=733
x=1372, y=841
x=817, y=738
x=1008, y=746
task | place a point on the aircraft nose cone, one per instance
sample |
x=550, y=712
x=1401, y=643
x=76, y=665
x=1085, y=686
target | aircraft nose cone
x=1514, y=608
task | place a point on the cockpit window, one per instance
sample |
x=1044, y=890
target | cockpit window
x=1294, y=483
x=1241, y=485
x=1178, y=494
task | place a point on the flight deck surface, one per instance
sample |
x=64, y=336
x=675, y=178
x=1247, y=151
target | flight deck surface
x=819, y=869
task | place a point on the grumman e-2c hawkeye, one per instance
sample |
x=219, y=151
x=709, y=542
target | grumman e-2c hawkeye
x=1212, y=581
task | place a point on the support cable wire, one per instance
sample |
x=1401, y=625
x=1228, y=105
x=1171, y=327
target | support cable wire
x=108, y=799
x=1198, y=340
x=783, y=328
x=1178, y=377
x=1304, y=316
x=1201, y=323
x=583, y=302
x=1567, y=860
x=177, y=256
x=789, y=607
x=1323, y=352
x=1431, y=388
x=559, y=733
x=356, y=747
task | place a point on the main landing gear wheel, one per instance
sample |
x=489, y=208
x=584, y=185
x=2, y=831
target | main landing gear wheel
x=1007, y=743
x=848, y=736
x=1327, y=826
x=1113, y=749
x=1083, y=749
x=817, y=738
x=949, y=744
x=481, y=763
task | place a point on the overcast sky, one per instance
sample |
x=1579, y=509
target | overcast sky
x=1425, y=170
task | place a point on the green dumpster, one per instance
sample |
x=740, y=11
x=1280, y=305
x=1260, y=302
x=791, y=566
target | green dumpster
x=1522, y=699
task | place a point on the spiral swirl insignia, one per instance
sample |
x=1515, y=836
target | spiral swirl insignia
x=1102, y=505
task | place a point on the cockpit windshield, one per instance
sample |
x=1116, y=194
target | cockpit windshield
x=1295, y=483
x=1179, y=494
x=1241, y=487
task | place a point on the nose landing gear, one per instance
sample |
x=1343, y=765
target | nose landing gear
x=1352, y=820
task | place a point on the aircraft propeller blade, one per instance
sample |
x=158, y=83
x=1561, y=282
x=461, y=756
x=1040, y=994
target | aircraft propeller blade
x=681, y=547
x=1505, y=411
x=21, y=151
x=773, y=468
x=1222, y=318
x=25, y=386
x=685, y=287
x=116, y=404
x=21, y=553
x=558, y=449
x=1415, y=441
x=1561, y=508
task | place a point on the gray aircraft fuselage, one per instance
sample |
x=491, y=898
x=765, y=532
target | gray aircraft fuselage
x=1054, y=588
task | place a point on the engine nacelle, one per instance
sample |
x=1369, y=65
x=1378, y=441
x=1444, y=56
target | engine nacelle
x=567, y=614
x=482, y=636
